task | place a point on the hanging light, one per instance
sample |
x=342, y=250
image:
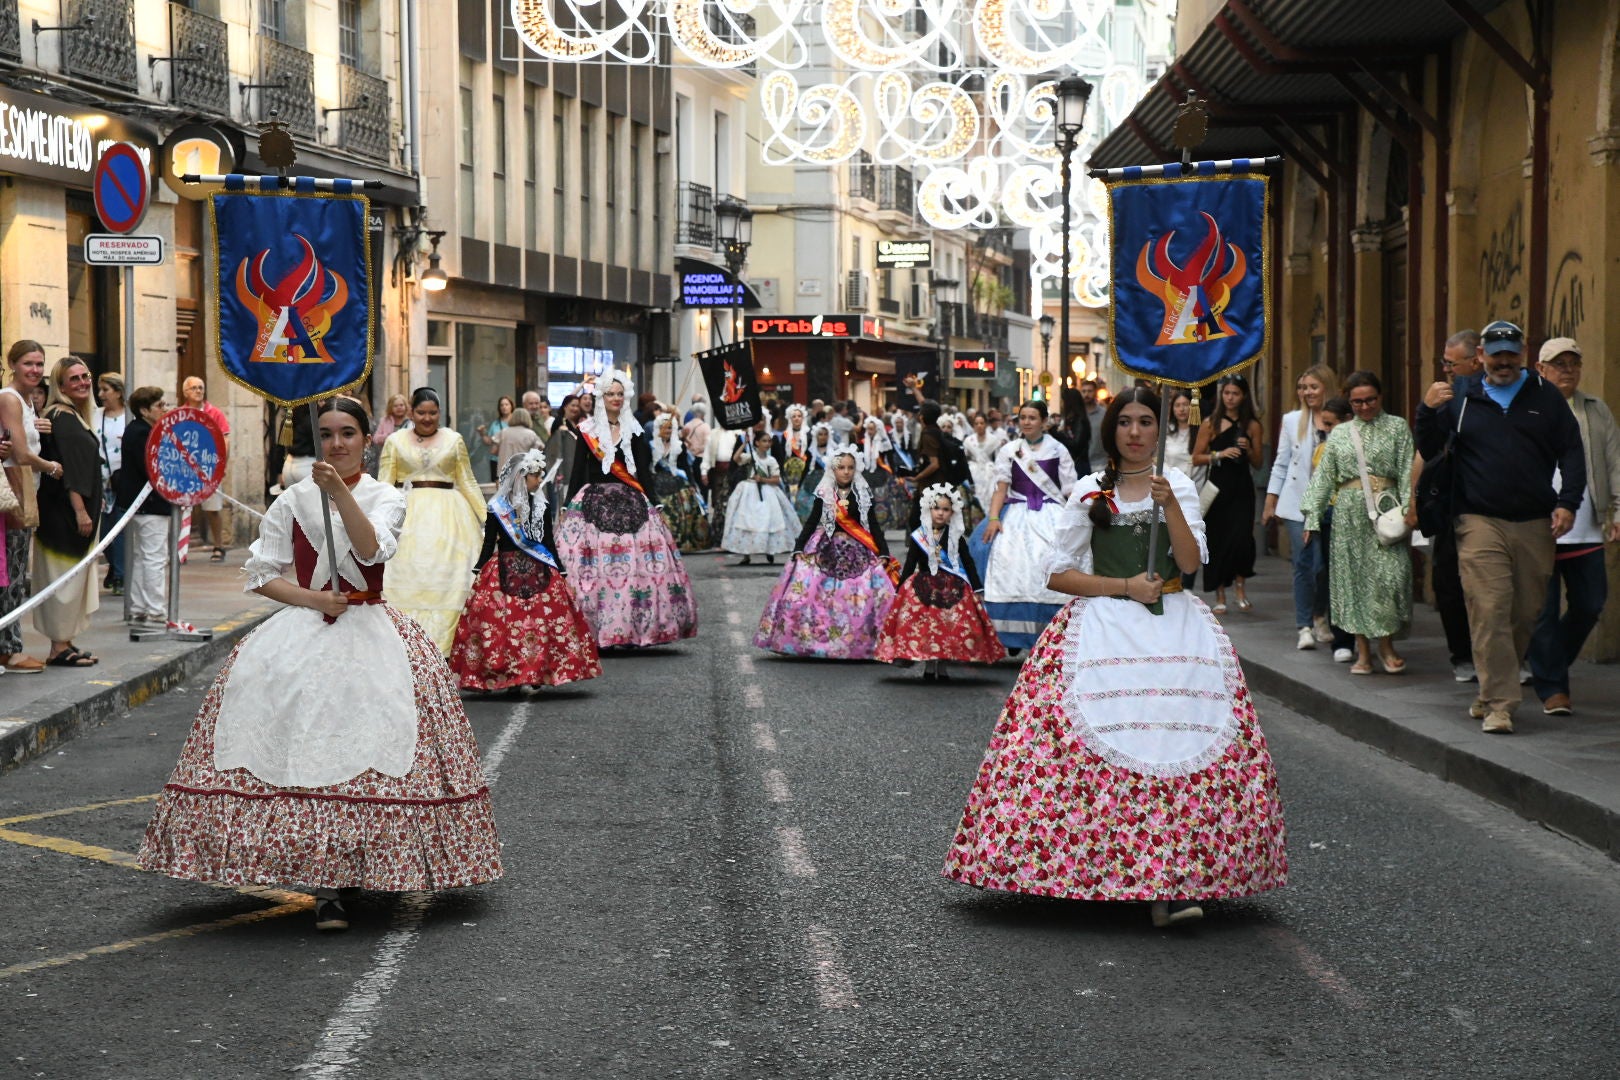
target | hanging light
x=434, y=279
x=1046, y=323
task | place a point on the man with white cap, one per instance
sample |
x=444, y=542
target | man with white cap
x=1579, y=563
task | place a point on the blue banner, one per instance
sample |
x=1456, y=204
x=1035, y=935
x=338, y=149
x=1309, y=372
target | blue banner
x=294, y=292
x=1191, y=259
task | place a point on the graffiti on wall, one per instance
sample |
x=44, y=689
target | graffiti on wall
x=1566, y=309
x=1501, y=265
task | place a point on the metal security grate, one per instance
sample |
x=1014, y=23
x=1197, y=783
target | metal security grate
x=10, y=31
x=694, y=208
x=289, y=75
x=364, y=129
x=201, y=69
x=104, y=50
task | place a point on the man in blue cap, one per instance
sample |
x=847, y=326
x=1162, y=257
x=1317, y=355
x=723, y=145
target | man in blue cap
x=1513, y=429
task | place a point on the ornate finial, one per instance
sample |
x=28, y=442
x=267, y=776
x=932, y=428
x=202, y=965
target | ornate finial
x=1192, y=123
x=275, y=144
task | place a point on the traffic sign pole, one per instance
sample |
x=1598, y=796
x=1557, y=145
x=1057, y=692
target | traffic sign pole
x=128, y=274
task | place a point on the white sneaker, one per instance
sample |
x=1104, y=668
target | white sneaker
x=1307, y=639
x=1343, y=656
x=1464, y=672
x=1322, y=629
x=1524, y=675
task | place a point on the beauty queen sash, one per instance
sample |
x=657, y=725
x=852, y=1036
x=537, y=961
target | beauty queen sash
x=948, y=560
x=847, y=521
x=502, y=509
x=1034, y=484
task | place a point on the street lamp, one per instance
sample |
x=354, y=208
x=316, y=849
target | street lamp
x=434, y=279
x=1046, y=343
x=944, y=290
x=1072, y=94
x=734, y=228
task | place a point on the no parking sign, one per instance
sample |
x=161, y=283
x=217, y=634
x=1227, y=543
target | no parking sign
x=185, y=456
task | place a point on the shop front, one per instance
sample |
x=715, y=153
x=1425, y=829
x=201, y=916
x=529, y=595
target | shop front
x=804, y=358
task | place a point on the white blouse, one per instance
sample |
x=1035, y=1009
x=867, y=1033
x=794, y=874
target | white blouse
x=1073, y=548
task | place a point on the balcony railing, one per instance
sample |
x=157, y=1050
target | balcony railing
x=10, y=31
x=895, y=190
x=862, y=177
x=103, y=51
x=731, y=27
x=287, y=76
x=364, y=130
x=990, y=329
x=694, y=214
x=201, y=70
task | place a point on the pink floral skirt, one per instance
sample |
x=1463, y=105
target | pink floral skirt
x=527, y=633
x=830, y=602
x=430, y=829
x=1049, y=817
x=625, y=569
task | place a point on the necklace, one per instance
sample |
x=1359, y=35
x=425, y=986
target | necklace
x=1136, y=472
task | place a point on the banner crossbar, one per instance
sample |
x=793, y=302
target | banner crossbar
x=1176, y=170
x=242, y=182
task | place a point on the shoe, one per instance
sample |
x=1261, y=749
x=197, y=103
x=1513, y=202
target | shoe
x=1464, y=672
x=747, y=560
x=1219, y=609
x=1524, y=675
x=23, y=665
x=1170, y=912
x=329, y=915
x=1497, y=723
x=1478, y=710
x=928, y=674
x=1343, y=656
x=1244, y=605
x=1322, y=629
x=1392, y=664
x=117, y=588
x=1359, y=668
x=1307, y=639
x=770, y=560
x=1557, y=705
x=181, y=627
x=941, y=674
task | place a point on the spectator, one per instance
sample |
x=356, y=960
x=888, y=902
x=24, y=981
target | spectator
x=1179, y=436
x=841, y=425
x=1301, y=433
x=646, y=409
x=692, y=410
x=1073, y=429
x=397, y=415
x=1556, y=641
x=1094, y=410
x=24, y=466
x=1460, y=360
x=196, y=395
x=69, y=508
x=1514, y=430
x=560, y=448
x=147, y=569
x=518, y=437
x=489, y=433
x=541, y=415
x=1229, y=446
x=535, y=402
x=1335, y=411
x=108, y=421
x=1370, y=583
x=695, y=440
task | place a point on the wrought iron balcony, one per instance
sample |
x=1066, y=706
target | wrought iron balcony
x=10, y=31
x=200, y=70
x=993, y=330
x=287, y=78
x=862, y=177
x=364, y=130
x=694, y=214
x=731, y=27
x=103, y=51
x=895, y=190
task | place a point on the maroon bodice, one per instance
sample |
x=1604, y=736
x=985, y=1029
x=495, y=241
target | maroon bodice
x=304, y=557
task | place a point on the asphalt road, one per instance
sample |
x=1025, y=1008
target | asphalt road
x=723, y=864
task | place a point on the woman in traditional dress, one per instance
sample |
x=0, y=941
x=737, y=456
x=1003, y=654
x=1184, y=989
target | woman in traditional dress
x=981, y=446
x=805, y=501
x=1128, y=763
x=719, y=451
x=837, y=589
x=677, y=496
x=622, y=561
x=431, y=575
x=760, y=519
x=1369, y=583
x=332, y=752
x=795, y=447
x=937, y=616
x=1034, y=475
x=69, y=512
x=1229, y=445
x=881, y=465
x=521, y=626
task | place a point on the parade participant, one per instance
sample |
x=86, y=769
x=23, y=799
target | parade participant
x=622, y=561
x=881, y=464
x=981, y=446
x=431, y=575
x=521, y=626
x=795, y=449
x=69, y=509
x=821, y=444
x=1034, y=475
x=677, y=495
x=837, y=589
x=937, y=616
x=332, y=752
x=719, y=450
x=1128, y=763
x=760, y=519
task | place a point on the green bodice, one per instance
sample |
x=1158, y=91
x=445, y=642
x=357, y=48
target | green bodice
x=1121, y=551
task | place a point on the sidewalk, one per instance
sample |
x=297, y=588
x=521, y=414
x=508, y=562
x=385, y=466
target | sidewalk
x=40, y=711
x=1560, y=771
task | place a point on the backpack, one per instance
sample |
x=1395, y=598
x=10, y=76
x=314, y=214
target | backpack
x=953, y=461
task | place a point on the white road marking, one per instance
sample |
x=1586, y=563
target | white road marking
x=795, y=859
x=1316, y=966
x=753, y=696
x=351, y=1025
x=834, y=989
x=776, y=787
x=745, y=664
x=764, y=738
x=734, y=618
x=739, y=639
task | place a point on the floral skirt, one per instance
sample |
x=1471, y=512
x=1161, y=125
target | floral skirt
x=937, y=617
x=627, y=575
x=1049, y=816
x=429, y=829
x=830, y=601
x=683, y=512
x=521, y=628
x=891, y=501
x=805, y=502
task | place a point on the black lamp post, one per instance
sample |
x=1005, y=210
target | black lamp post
x=1046, y=345
x=944, y=290
x=1072, y=94
x=734, y=228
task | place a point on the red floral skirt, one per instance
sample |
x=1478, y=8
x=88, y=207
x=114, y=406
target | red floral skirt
x=937, y=617
x=530, y=633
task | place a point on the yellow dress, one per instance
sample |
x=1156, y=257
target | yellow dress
x=431, y=576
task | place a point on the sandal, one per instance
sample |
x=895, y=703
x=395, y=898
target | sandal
x=70, y=657
x=1220, y=608
x=1361, y=668
x=19, y=664
x=1395, y=668
x=218, y=555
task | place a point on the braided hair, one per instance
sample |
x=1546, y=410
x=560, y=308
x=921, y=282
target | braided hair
x=1101, y=516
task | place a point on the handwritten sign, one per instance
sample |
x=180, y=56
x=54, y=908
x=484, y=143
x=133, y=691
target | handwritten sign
x=185, y=456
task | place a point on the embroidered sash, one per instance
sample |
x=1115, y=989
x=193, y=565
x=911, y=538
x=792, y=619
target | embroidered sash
x=618, y=470
x=502, y=509
x=949, y=561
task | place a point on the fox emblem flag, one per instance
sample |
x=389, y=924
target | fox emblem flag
x=728, y=374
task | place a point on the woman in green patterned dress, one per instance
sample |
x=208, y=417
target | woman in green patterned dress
x=673, y=490
x=1369, y=584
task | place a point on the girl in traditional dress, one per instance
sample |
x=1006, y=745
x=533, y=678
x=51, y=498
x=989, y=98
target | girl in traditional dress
x=332, y=752
x=622, y=561
x=836, y=591
x=795, y=449
x=431, y=575
x=677, y=495
x=981, y=447
x=1034, y=476
x=805, y=501
x=1128, y=763
x=881, y=466
x=521, y=626
x=760, y=519
x=937, y=616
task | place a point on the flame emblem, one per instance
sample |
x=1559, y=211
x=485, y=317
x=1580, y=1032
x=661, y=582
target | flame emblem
x=734, y=387
x=296, y=312
x=1195, y=296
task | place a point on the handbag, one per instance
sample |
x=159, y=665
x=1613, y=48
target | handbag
x=1207, y=492
x=10, y=505
x=1437, y=484
x=1389, y=524
x=26, y=514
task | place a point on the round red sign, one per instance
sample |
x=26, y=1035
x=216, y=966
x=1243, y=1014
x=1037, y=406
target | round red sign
x=185, y=456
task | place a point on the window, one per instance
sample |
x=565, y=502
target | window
x=559, y=165
x=586, y=173
x=348, y=32
x=722, y=154
x=635, y=195
x=683, y=137
x=273, y=19
x=499, y=217
x=658, y=210
x=531, y=155
x=469, y=180
x=611, y=194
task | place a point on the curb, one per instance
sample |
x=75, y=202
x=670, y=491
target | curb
x=49, y=722
x=1532, y=797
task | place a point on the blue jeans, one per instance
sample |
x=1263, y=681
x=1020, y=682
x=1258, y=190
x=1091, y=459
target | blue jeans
x=115, y=550
x=1556, y=642
x=1307, y=560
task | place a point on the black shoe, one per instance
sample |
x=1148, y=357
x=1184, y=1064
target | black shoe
x=928, y=675
x=942, y=675
x=770, y=559
x=746, y=560
x=1169, y=913
x=329, y=915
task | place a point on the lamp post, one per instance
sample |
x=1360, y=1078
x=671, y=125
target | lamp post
x=1046, y=344
x=1072, y=94
x=434, y=279
x=734, y=228
x=944, y=289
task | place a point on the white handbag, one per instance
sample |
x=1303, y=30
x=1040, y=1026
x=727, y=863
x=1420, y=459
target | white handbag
x=1389, y=523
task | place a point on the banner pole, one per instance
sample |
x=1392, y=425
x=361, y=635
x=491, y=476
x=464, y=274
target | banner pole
x=326, y=500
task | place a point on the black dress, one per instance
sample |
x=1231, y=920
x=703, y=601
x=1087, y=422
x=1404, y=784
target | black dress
x=1229, y=524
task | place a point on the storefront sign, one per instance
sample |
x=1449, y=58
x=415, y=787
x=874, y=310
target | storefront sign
x=201, y=149
x=111, y=249
x=710, y=290
x=52, y=140
x=973, y=365
x=904, y=254
x=833, y=326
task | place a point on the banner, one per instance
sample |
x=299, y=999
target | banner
x=294, y=320
x=921, y=366
x=1191, y=260
x=728, y=373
